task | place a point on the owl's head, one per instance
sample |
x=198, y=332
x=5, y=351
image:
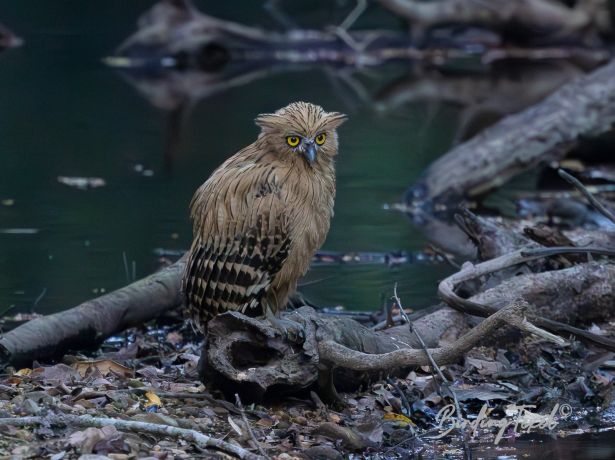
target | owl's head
x=301, y=129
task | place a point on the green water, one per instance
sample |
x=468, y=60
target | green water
x=63, y=113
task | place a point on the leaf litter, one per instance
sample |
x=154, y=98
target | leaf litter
x=150, y=375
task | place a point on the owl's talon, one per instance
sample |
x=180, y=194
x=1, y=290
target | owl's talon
x=291, y=330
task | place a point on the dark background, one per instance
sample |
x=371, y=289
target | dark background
x=64, y=113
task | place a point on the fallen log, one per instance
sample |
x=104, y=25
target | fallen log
x=468, y=271
x=87, y=325
x=545, y=131
x=246, y=356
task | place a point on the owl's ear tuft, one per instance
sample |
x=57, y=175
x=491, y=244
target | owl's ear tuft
x=333, y=120
x=268, y=121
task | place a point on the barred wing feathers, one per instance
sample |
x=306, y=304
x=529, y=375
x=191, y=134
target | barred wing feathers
x=241, y=241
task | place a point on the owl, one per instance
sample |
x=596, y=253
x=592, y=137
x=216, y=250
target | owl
x=260, y=217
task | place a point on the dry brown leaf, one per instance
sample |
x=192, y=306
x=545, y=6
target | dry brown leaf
x=485, y=367
x=58, y=373
x=104, y=366
x=86, y=440
x=399, y=418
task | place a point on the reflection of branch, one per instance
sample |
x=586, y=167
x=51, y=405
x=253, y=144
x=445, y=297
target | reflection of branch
x=497, y=93
x=520, y=141
x=539, y=17
x=8, y=39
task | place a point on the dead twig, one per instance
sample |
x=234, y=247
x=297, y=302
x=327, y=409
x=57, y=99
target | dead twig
x=246, y=422
x=199, y=439
x=344, y=357
x=445, y=382
x=355, y=14
x=587, y=194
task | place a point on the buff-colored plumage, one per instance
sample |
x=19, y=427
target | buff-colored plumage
x=259, y=218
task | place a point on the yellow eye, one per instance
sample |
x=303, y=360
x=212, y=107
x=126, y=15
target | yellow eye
x=321, y=138
x=293, y=141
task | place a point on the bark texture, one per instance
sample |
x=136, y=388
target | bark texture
x=583, y=107
x=88, y=324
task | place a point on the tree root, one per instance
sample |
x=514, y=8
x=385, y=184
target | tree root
x=340, y=356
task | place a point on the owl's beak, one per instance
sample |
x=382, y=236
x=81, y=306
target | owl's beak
x=310, y=152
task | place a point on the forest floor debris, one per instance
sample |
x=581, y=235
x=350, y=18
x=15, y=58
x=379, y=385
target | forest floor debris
x=149, y=375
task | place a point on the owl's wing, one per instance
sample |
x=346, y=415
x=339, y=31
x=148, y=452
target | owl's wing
x=241, y=241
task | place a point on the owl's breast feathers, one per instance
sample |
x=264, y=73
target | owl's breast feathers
x=248, y=249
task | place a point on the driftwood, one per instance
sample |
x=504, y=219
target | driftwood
x=87, y=325
x=213, y=55
x=247, y=356
x=584, y=107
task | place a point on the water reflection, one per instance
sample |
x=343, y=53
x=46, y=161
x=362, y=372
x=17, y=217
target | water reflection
x=66, y=115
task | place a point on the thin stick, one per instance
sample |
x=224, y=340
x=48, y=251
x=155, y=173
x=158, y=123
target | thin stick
x=445, y=382
x=248, y=427
x=126, y=266
x=194, y=436
x=587, y=194
x=355, y=14
x=404, y=401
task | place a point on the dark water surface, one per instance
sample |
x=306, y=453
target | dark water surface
x=63, y=113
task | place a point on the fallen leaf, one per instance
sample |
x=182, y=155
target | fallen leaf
x=104, y=366
x=399, y=418
x=234, y=426
x=485, y=367
x=174, y=338
x=482, y=394
x=60, y=373
x=153, y=402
